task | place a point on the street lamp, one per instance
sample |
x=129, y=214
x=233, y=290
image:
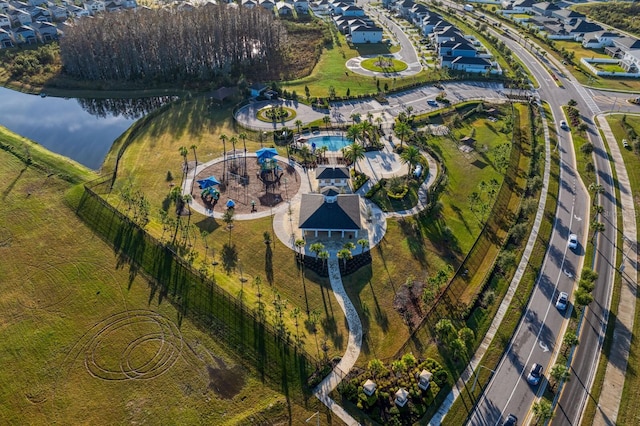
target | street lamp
x=317, y=413
x=475, y=372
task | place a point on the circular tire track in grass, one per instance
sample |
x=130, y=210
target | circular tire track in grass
x=129, y=345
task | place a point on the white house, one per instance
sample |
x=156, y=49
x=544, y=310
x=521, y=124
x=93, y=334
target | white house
x=472, y=65
x=330, y=213
x=332, y=176
x=95, y=6
x=366, y=34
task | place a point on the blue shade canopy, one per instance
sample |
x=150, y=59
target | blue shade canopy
x=263, y=153
x=231, y=204
x=208, y=182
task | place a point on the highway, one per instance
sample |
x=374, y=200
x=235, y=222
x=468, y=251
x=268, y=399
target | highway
x=539, y=334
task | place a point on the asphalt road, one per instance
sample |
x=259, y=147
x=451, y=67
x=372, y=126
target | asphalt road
x=540, y=332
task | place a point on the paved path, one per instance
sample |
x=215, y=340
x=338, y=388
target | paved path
x=609, y=403
x=247, y=115
x=354, y=345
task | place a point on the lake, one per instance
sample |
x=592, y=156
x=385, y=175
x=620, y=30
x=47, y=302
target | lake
x=65, y=126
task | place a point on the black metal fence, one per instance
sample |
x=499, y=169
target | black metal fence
x=270, y=351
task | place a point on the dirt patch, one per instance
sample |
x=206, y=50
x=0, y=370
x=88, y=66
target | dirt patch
x=226, y=382
x=266, y=190
x=408, y=303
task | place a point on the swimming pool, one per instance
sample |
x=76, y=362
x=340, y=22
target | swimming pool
x=333, y=143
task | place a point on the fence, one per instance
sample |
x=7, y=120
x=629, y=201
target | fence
x=456, y=299
x=270, y=351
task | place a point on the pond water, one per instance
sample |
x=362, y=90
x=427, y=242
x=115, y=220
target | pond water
x=81, y=129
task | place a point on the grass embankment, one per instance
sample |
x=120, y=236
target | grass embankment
x=83, y=341
x=464, y=404
x=628, y=413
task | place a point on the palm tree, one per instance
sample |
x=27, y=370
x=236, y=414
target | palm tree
x=183, y=152
x=243, y=137
x=194, y=147
x=345, y=254
x=349, y=246
x=367, y=130
x=298, y=124
x=354, y=133
x=560, y=373
x=299, y=243
x=402, y=130
x=354, y=153
x=224, y=138
x=327, y=120
x=410, y=156
x=316, y=248
x=228, y=219
x=379, y=122
x=363, y=243
x=596, y=188
x=542, y=411
x=324, y=255
x=305, y=153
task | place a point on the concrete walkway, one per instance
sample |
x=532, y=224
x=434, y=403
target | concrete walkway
x=467, y=374
x=609, y=403
x=354, y=345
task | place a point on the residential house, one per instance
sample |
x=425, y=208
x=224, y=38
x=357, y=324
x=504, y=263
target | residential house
x=25, y=35
x=95, y=6
x=112, y=6
x=58, y=13
x=567, y=16
x=267, y=4
x=40, y=14
x=36, y=2
x=301, y=6
x=77, y=11
x=352, y=11
x=631, y=61
x=249, y=4
x=366, y=34
x=545, y=8
x=5, y=21
x=471, y=64
x=256, y=89
x=330, y=213
x=46, y=31
x=284, y=8
x=600, y=39
x=523, y=6
x=20, y=17
x=6, y=38
x=332, y=176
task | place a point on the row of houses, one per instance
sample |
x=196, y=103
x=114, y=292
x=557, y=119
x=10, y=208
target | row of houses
x=558, y=23
x=454, y=49
x=350, y=19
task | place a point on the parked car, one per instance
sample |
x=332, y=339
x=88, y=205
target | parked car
x=511, y=420
x=563, y=301
x=535, y=374
x=432, y=103
x=573, y=241
x=564, y=125
x=625, y=143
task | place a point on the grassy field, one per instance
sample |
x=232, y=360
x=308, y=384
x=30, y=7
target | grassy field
x=628, y=414
x=83, y=341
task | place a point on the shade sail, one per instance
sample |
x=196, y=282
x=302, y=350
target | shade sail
x=263, y=153
x=208, y=182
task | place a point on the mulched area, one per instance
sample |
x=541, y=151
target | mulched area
x=253, y=189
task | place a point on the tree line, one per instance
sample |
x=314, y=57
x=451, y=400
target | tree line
x=168, y=45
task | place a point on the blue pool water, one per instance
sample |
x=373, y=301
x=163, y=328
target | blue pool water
x=333, y=143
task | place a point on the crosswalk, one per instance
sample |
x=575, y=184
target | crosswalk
x=587, y=98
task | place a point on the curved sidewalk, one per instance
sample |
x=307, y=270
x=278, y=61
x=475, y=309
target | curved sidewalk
x=354, y=345
x=614, y=377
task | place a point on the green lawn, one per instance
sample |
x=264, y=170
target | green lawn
x=579, y=51
x=78, y=327
x=609, y=67
x=373, y=64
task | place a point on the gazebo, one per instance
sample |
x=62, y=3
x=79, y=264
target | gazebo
x=369, y=387
x=424, y=379
x=401, y=397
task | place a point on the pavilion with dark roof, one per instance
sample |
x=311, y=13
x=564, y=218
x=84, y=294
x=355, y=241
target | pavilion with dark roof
x=330, y=212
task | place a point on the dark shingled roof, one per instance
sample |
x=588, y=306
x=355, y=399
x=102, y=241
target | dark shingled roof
x=332, y=173
x=343, y=214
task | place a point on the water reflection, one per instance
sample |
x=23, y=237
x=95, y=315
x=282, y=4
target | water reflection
x=83, y=131
x=128, y=108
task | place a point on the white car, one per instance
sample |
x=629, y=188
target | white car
x=573, y=241
x=535, y=374
x=563, y=301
